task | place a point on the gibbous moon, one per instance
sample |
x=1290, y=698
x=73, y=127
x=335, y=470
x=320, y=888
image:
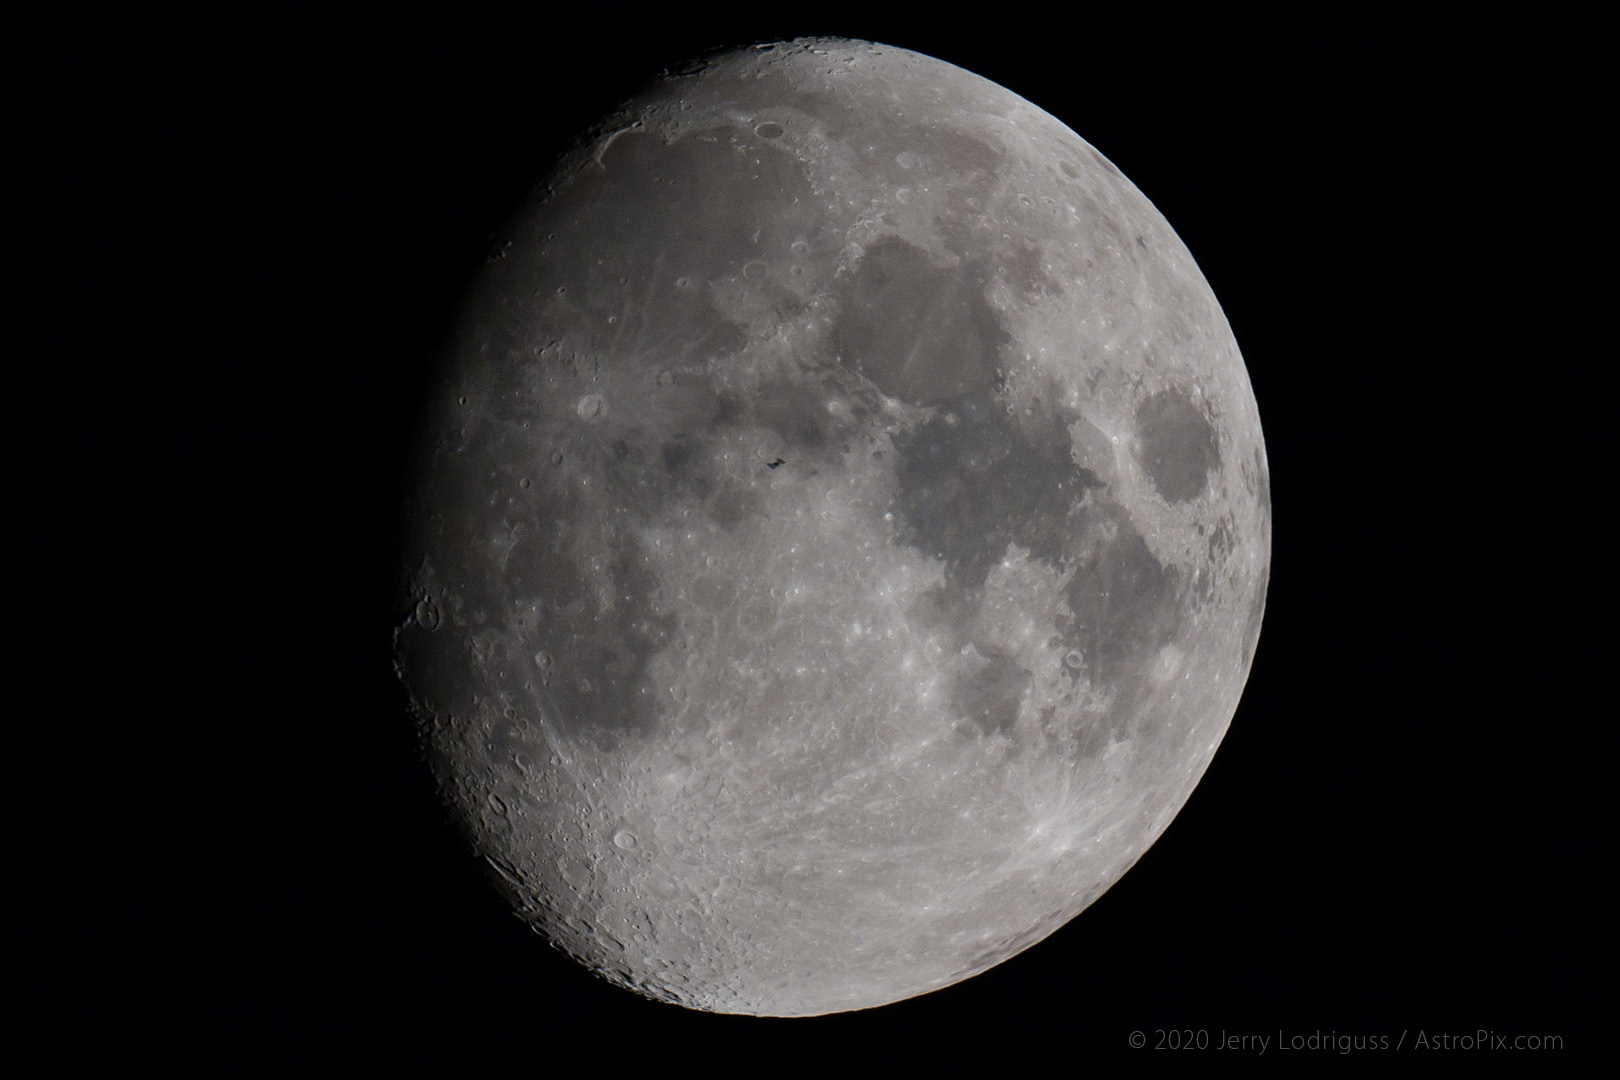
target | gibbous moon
x=840, y=538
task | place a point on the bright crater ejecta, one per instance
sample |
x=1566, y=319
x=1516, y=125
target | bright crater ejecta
x=840, y=537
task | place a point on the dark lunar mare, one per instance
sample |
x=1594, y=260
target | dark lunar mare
x=922, y=333
x=1178, y=445
x=970, y=482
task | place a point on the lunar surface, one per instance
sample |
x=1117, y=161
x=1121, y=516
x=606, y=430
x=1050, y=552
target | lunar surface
x=840, y=538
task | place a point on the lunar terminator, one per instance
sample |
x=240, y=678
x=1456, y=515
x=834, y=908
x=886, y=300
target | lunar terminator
x=840, y=539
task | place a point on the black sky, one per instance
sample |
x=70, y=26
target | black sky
x=1399, y=216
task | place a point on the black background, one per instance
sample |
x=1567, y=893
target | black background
x=1398, y=215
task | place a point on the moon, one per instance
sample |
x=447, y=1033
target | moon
x=840, y=536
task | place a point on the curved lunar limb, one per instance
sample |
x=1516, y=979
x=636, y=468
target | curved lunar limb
x=841, y=535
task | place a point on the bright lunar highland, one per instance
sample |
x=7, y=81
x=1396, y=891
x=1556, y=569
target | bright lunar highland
x=840, y=535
